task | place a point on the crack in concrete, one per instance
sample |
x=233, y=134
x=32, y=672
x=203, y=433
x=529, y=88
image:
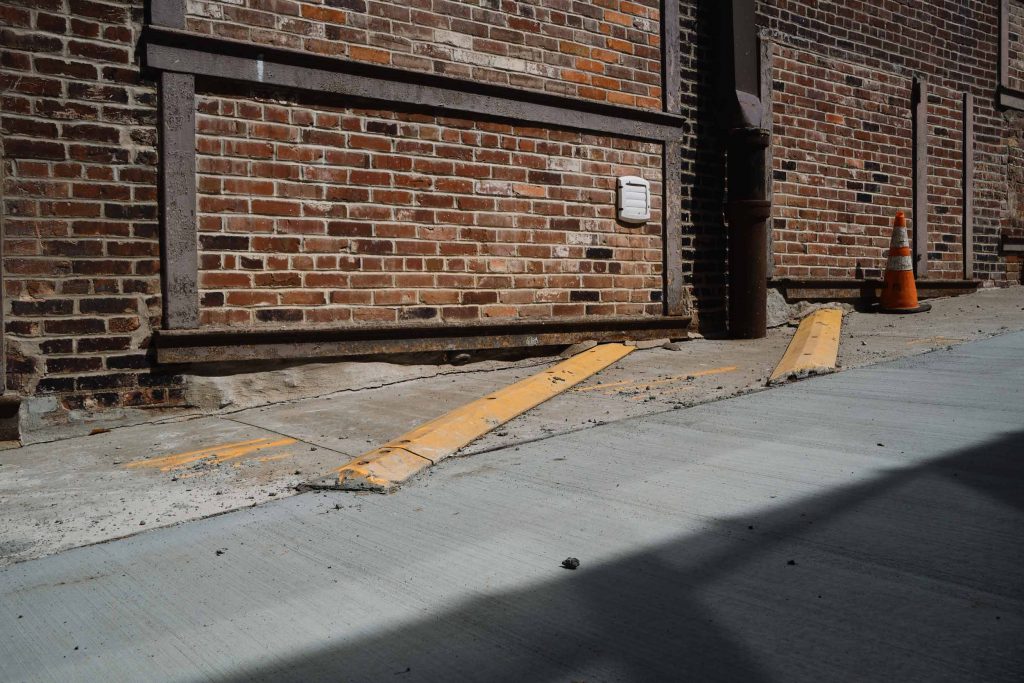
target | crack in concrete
x=351, y=390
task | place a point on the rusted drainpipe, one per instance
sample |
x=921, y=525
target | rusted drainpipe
x=749, y=203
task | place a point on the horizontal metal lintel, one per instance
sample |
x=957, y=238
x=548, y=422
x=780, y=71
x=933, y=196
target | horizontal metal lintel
x=1011, y=99
x=856, y=282
x=208, y=345
x=184, y=52
x=1012, y=245
x=853, y=289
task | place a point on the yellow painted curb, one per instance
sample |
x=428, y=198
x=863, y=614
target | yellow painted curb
x=393, y=463
x=814, y=348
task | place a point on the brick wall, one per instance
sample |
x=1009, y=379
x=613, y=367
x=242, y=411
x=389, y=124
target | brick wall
x=945, y=184
x=313, y=213
x=703, y=169
x=1015, y=196
x=607, y=51
x=1015, y=73
x=1015, y=179
x=952, y=44
x=842, y=164
x=81, y=241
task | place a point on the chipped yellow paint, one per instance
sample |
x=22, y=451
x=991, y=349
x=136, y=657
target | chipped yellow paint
x=380, y=470
x=384, y=468
x=271, y=458
x=629, y=384
x=216, y=454
x=813, y=349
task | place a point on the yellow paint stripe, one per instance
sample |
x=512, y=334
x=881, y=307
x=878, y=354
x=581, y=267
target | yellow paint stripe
x=384, y=468
x=155, y=462
x=656, y=382
x=813, y=349
x=271, y=458
x=218, y=454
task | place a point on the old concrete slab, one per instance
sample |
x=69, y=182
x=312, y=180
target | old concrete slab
x=859, y=526
x=69, y=493
x=372, y=404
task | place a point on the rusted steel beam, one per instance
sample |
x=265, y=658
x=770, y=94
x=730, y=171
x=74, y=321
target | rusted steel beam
x=672, y=240
x=748, y=210
x=273, y=66
x=767, y=124
x=227, y=344
x=865, y=291
x=671, y=76
x=1004, y=44
x=968, y=187
x=920, y=124
x=180, y=260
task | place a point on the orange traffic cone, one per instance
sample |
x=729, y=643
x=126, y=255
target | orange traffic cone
x=899, y=293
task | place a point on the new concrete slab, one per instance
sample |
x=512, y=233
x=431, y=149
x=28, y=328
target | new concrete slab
x=805, y=533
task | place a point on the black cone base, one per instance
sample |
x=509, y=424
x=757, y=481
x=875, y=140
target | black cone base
x=877, y=308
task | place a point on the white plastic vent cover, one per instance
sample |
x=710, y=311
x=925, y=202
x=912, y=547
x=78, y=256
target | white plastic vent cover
x=634, y=199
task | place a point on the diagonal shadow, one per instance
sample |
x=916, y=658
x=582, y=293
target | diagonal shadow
x=917, y=574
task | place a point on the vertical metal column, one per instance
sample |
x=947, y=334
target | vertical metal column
x=968, y=185
x=1004, y=44
x=766, y=78
x=748, y=211
x=3, y=289
x=670, y=57
x=919, y=105
x=672, y=210
x=10, y=403
x=178, y=198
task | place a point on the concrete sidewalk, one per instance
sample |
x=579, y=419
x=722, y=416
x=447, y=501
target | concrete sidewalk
x=77, y=491
x=859, y=526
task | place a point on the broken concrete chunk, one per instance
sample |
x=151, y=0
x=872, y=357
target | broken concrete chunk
x=580, y=347
x=778, y=309
x=648, y=343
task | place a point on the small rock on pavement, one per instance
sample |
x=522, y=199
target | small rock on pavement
x=571, y=563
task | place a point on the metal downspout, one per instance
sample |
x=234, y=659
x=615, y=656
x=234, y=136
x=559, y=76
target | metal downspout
x=749, y=203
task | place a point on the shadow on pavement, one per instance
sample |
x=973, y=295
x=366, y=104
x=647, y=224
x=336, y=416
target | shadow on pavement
x=917, y=574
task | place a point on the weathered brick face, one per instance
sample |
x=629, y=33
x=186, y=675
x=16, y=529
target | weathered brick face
x=841, y=167
x=953, y=45
x=312, y=213
x=1015, y=72
x=945, y=183
x=606, y=51
x=81, y=242
x=1015, y=180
